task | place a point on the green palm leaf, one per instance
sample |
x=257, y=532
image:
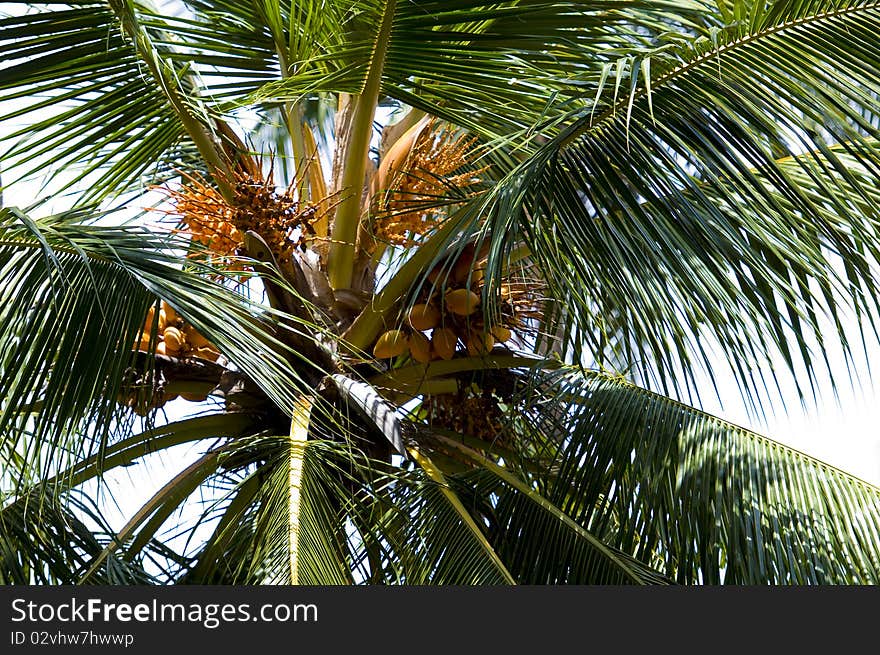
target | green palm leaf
x=691, y=186
x=75, y=297
x=91, y=110
x=684, y=213
x=456, y=61
x=698, y=498
x=49, y=542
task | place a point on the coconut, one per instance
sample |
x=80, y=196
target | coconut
x=167, y=316
x=443, y=341
x=173, y=339
x=463, y=265
x=194, y=337
x=148, y=322
x=463, y=302
x=424, y=317
x=207, y=353
x=391, y=344
x=501, y=333
x=194, y=397
x=479, y=343
x=420, y=347
x=144, y=342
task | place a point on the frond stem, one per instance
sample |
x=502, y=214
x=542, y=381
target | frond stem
x=340, y=262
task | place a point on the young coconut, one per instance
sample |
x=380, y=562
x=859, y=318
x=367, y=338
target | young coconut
x=424, y=317
x=479, y=343
x=501, y=333
x=194, y=338
x=463, y=302
x=391, y=344
x=207, y=353
x=194, y=397
x=144, y=342
x=443, y=341
x=148, y=322
x=173, y=340
x=463, y=265
x=420, y=347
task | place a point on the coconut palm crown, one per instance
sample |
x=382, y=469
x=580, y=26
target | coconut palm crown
x=432, y=290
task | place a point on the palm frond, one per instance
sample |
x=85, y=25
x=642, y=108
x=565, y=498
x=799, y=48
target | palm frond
x=693, y=496
x=727, y=204
x=495, y=68
x=75, y=297
x=49, y=543
x=356, y=521
x=92, y=112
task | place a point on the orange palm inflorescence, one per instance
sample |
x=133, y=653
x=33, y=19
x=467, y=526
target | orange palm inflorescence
x=434, y=173
x=219, y=226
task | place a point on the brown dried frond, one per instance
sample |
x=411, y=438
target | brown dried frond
x=434, y=175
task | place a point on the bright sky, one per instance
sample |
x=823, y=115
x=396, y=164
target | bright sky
x=844, y=432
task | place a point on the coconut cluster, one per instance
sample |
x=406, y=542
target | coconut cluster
x=474, y=411
x=175, y=337
x=448, y=319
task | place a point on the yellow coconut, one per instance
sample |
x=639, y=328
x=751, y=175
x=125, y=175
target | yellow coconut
x=420, y=347
x=463, y=266
x=173, y=339
x=144, y=342
x=463, y=302
x=391, y=344
x=148, y=322
x=443, y=341
x=479, y=343
x=501, y=333
x=207, y=353
x=424, y=317
x=194, y=338
x=167, y=316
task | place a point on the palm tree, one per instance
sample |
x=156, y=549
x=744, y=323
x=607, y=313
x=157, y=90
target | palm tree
x=433, y=287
